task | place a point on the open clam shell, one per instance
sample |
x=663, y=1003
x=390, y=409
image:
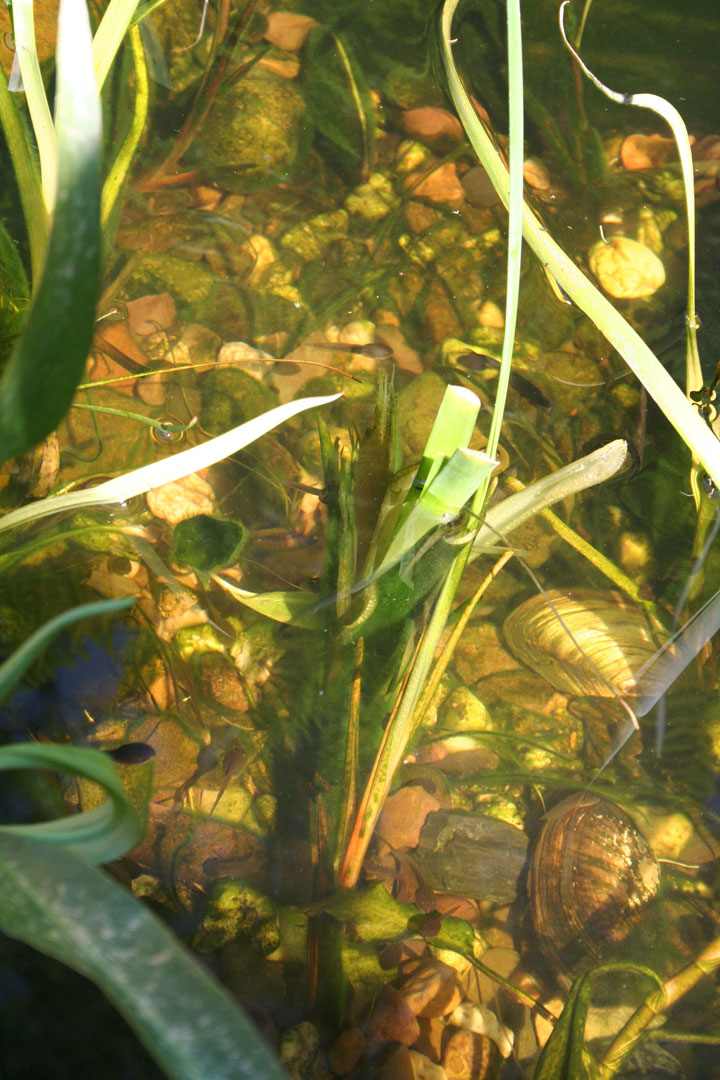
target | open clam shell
x=586, y=642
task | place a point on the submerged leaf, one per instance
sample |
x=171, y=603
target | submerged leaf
x=563, y=1057
x=374, y=915
x=98, y=835
x=48, y=361
x=204, y=542
x=348, y=129
x=283, y=605
x=56, y=903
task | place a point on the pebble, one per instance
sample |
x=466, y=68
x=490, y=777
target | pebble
x=434, y=990
x=392, y=1020
x=468, y=1055
x=181, y=499
x=626, y=269
x=346, y=1051
x=404, y=814
x=440, y=186
x=299, y=1048
x=483, y=1021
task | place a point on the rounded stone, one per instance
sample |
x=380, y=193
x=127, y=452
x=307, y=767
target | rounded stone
x=626, y=269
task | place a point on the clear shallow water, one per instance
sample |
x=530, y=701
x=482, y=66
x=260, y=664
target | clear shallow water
x=285, y=249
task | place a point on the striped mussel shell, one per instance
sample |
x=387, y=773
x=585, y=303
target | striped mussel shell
x=591, y=878
x=586, y=642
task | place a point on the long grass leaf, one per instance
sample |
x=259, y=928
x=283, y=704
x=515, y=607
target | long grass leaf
x=13, y=669
x=37, y=102
x=114, y=25
x=48, y=360
x=98, y=835
x=71, y=911
x=27, y=174
x=639, y=357
x=164, y=472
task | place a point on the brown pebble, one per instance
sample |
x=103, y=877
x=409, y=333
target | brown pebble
x=346, y=1051
x=430, y=1039
x=392, y=1020
x=404, y=814
x=469, y=1055
x=396, y=1065
x=435, y=990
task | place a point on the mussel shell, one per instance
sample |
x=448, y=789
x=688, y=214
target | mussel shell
x=616, y=638
x=591, y=878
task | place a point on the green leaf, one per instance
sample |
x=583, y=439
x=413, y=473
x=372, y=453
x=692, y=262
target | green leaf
x=563, y=1057
x=12, y=670
x=23, y=155
x=348, y=129
x=168, y=469
x=374, y=915
x=115, y=23
x=99, y=835
x=48, y=361
x=71, y=911
x=204, y=542
x=14, y=293
x=285, y=606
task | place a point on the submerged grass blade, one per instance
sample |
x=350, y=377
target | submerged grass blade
x=118, y=173
x=638, y=356
x=164, y=472
x=58, y=904
x=115, y=23
x=594, y=468
x=453, y=428
x=27, y=175
x=13, y=669
x=48, y=360
x=97, y=836
x=440, y=502
x=509, y=514
x=37, y=102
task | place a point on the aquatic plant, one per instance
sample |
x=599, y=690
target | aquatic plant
x=52, y=895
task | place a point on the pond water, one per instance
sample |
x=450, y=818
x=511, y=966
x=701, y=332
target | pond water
x=304, y=217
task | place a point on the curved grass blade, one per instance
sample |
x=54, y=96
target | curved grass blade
x=99, y=835
x=113, y=186
x=12, y=670
x=27, y=174
x=35, y=96
x=164, y=472
x=115, y=23
x=48, y=360
x=638, y=356
x=57, y=903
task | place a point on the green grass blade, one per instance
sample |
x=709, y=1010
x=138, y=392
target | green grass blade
x=13, y=669
x=36, y=98
x=118, y=173
x=453, y=428
x=99, y=835
x=515, y=204
x=110, y=33
x=594, y=468
x=440, y=502
x=27, y=174
x=71, y=911
x=164, y=472
x=639, y=357
x=48, y=360
x=285, y=606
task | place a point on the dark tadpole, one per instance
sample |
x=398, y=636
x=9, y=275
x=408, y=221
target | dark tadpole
x=472, y=361
x=375, y=349
x=132, y=753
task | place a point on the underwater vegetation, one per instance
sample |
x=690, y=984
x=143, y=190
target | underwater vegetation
x=358, y=574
